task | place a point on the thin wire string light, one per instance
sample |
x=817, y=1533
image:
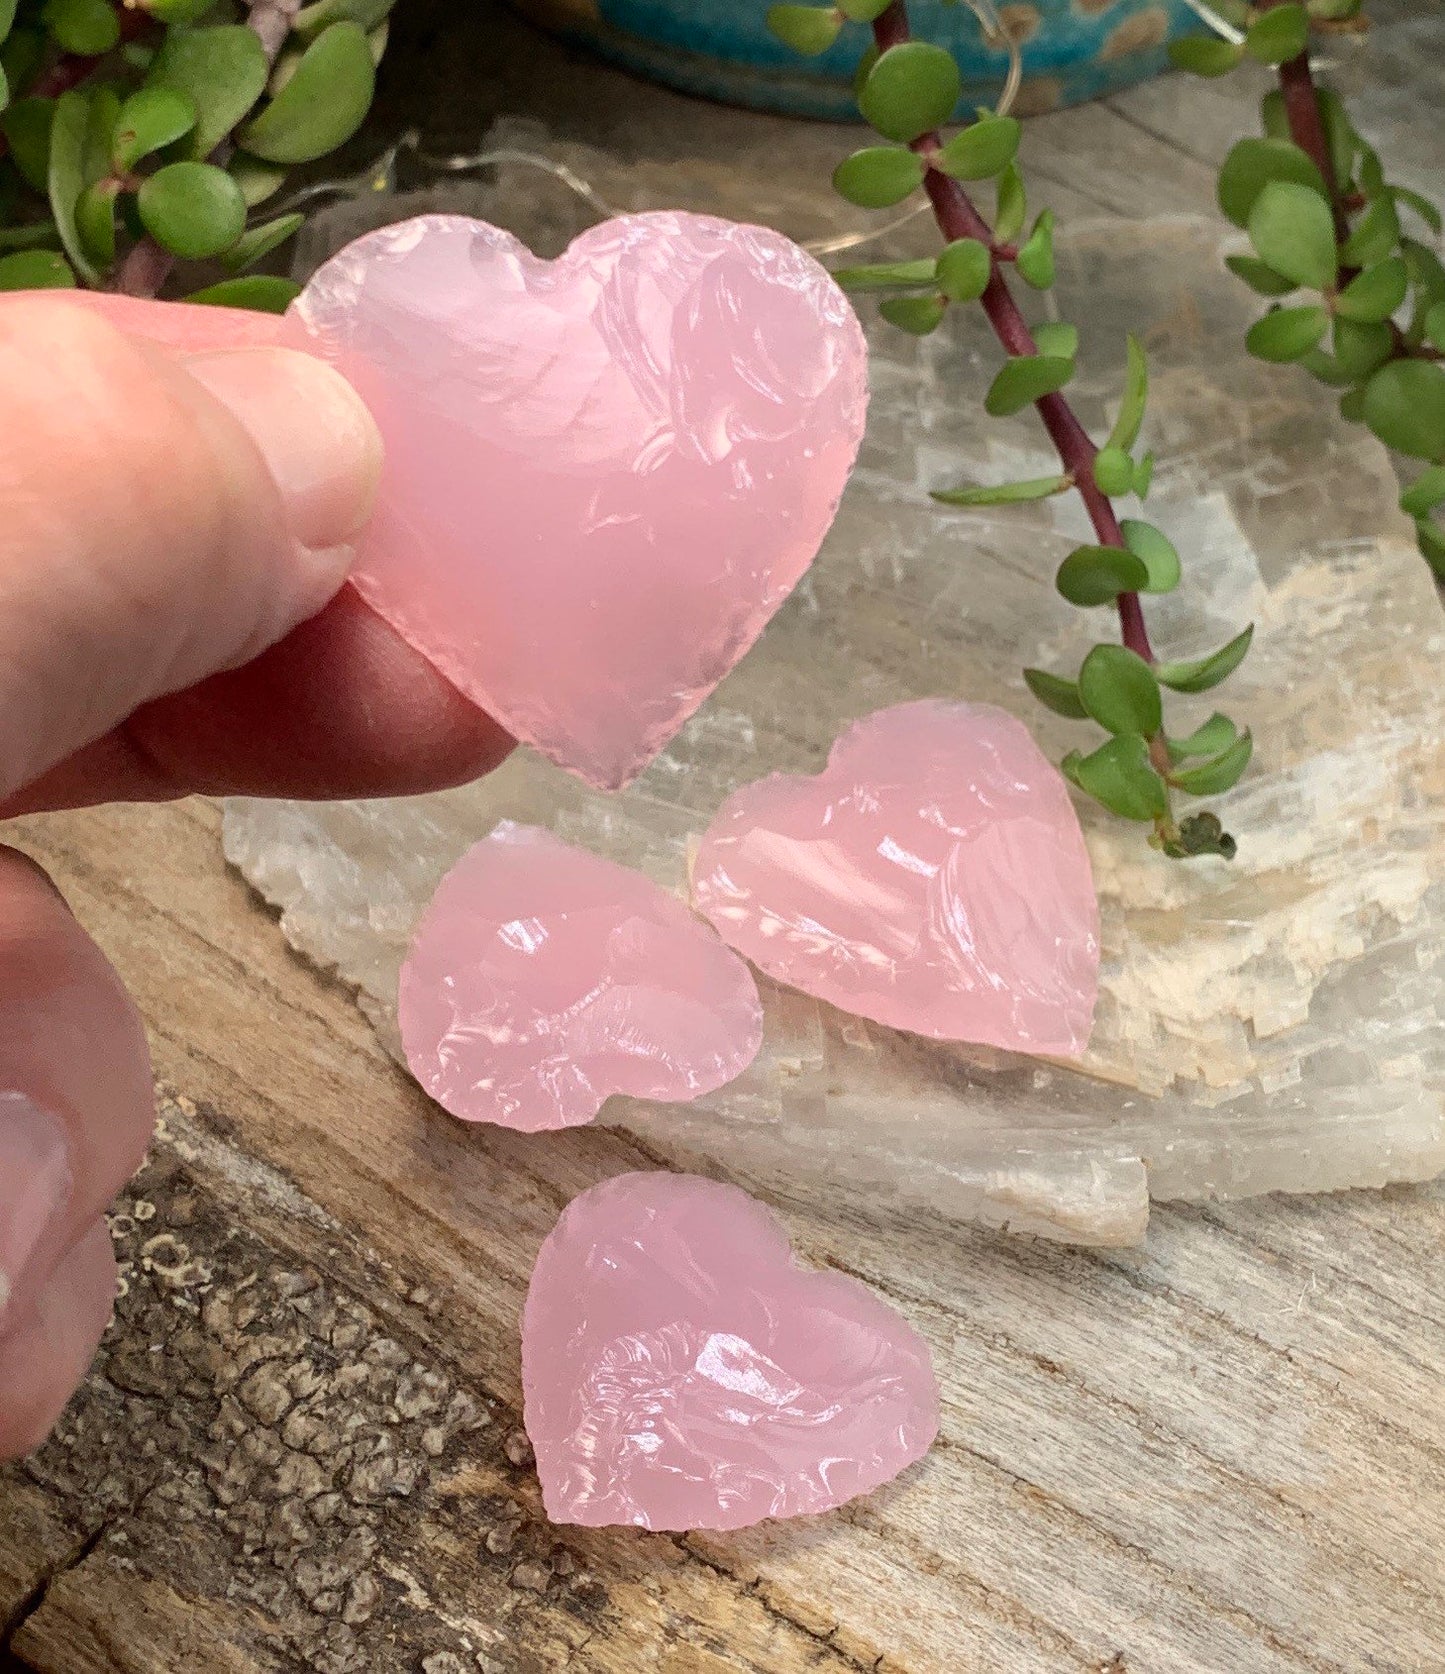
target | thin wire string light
x=1227, y=31
x=381, y=176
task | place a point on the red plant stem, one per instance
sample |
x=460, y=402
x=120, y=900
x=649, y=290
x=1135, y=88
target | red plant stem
x=1307, y=127
x=957, y=217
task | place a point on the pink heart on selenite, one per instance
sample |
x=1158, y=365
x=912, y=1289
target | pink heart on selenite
x=543, y=979
x=605, y=473
x=933, y=878
x=681, y=1372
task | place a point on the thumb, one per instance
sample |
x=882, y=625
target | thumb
x=165, y=518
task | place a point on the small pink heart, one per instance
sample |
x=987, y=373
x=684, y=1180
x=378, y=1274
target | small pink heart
x=933, y=877
x=681, y=1372
x=604, y=473
x=543, y=979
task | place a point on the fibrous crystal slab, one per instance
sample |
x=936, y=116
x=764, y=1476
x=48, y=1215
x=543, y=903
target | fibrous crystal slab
x=681, y=1372
x=1262, y=1025
x=542, y=980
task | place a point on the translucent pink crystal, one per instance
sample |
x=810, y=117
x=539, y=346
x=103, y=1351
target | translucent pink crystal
x=933, y=877
x=680, y=1371
x=543, y=979
x=605, y=473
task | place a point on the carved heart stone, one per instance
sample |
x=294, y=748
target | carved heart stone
x=604, y=473
x=933, y=877
x=542, y=979
x=681, y=1372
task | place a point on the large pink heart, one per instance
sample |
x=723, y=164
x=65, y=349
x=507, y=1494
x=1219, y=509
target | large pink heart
x=680, y=1371
x=605, y=473
x=932, y=877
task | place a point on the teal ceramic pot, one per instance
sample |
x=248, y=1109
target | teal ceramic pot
x=1072, y=49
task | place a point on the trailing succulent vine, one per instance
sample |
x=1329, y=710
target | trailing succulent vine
x=1357, y=296
x=907, y=92
x=134, y=137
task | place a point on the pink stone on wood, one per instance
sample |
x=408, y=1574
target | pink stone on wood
x=604, y=473
x=542, y=979
x=681, y=1372
x=933, y=877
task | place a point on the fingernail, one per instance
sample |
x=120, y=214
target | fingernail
x=34, y=1184
x=313, y=431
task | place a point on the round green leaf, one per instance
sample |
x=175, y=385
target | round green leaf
x=1036, y=256
x=1205, y=55
x=1062, y=696
x=1425, y=493
x=257, y=180
x=1253, y=164
x=256, y=243
x=1205, y=672
x=1405, y=407
x=1136, y=395
x=194, y=210
x=322, y=105
x=1011, y=207
x=35, y=270
x=1119, y=691
x=1435, y=326
x=1376, y=236
x=1360, y=348
x=1352, y=405
x=1292, y=229
x=981, y=151
x=87, y=28
x=1113, y=471
x=916, y=314
x=1288, y=333
x=887, y=276
x=262, y=293
x=67, y=176
x=1215, y=735
x=1026, y=379
x=149, y=120
x=878, y=176
x=1096, y=575
x=1156, y=551
x=1120, y=775
x=26, y=127
x=863, y=11
x=95, y=222
x=809, y=30
x=1220, y=773
x=911, y=90
x=1278, y=35
x=1376, y=293
x=221, y=70
x=1057, y=339
x=1258, y=277
x=964, y=270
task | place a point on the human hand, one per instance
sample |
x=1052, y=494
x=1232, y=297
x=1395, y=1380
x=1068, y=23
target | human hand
x=174, y=532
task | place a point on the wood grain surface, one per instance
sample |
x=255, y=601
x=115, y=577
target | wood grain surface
x=300, y=1448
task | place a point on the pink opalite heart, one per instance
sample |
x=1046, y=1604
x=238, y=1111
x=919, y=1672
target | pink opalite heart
x=933, y=877
x=605, y=473
x=543, y=979
x=680, y=1372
